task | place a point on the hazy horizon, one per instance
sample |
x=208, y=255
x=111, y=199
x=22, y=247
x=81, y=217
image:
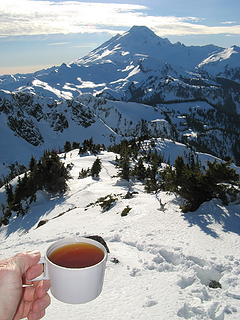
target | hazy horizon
x=38, y=34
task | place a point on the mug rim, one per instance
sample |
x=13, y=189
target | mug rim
x=67, y=241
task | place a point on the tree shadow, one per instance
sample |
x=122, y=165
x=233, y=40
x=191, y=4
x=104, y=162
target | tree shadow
x=213, y=212
x=37, y=210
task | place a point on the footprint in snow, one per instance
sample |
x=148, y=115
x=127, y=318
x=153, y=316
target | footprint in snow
x=135, y=272
x=150, y=303
x=185, y=282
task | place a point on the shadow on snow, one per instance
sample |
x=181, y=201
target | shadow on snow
x=37, y=210
x=213, y=212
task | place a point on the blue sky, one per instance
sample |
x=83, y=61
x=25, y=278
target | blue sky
x=36, y=34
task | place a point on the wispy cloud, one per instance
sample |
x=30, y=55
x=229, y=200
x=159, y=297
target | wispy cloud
x=229, y=22
x=28, y=17
x=88, y=45
x=58, y=43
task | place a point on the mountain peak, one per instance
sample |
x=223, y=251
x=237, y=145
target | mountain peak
x=143, y=35
x=141, y=30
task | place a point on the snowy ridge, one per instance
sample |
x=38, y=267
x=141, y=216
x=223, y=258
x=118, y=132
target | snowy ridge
x=225, y=62
x=141, y=42
x=34, y=123
x=130, y=85
x=113, y=60
x=127, y=64
x=166, y=259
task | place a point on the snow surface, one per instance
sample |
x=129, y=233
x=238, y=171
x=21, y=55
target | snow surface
x=166, y=258
x=218, y=62
x=226, y=54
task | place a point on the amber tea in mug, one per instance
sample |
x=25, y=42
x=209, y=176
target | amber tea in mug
x=76, y=255
x=76, y=268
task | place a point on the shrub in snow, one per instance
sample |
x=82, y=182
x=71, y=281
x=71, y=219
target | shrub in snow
x=84, y=173
x=106, y=203
x=125, y=211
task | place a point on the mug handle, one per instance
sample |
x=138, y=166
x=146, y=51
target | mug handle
x=44, y=275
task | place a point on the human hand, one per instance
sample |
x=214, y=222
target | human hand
x=17, y=302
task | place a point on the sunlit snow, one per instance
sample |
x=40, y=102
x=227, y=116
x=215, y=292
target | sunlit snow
x=166, y=258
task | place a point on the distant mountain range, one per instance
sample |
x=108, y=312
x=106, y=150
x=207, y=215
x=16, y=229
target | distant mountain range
x=134, y=84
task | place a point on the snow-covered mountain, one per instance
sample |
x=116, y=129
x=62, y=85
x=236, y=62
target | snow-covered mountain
x=140, y=43
x=134, y=84
x=131, y=56
x=225, y=63
x=163, y=264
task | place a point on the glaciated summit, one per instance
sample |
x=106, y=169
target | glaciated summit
x=136, y=83
x=141, y=42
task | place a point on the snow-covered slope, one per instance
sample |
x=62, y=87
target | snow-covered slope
x=140, y=66
x=140, y=43
x=166, y=259
x=120, y=59
x=105, y=94
x=224, y=63
x=31, y=124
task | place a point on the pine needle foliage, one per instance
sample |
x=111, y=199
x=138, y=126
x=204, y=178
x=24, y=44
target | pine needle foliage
x=96, y=168
x=197, y=186
x=48, y=174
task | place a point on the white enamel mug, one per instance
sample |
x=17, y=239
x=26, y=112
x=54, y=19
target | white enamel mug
x=74, y=285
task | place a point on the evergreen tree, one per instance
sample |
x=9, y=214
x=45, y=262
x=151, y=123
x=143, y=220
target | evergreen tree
x=96, y=168
x=124, y=166
x=10, y=195
x=25, y=191
x=153, y=182
x=67, y=146
x=47, y=174
x=197, y=186
x=32, y=164
x=179, y=170
x=84, y=173
x=221, y=172
x=53, y=173
x=139, y=170
x=75, y=145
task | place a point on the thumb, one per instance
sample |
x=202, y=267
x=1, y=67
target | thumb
x=26, y=260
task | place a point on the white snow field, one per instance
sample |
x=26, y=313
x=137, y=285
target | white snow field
x=166, y=258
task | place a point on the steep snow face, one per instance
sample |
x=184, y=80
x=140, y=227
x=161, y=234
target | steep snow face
x=114, y=61
x=137, y=42
x=32, y=122
x=224, y=56
x=141, y=43
x=225, y=62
